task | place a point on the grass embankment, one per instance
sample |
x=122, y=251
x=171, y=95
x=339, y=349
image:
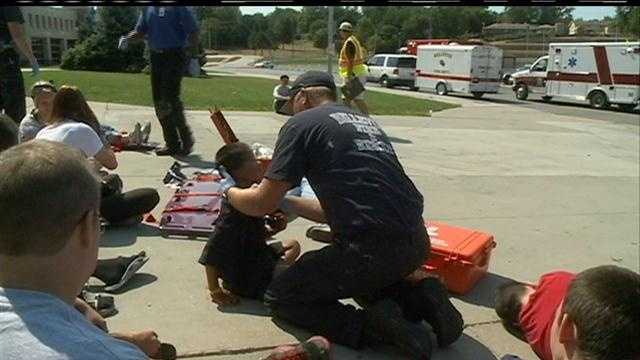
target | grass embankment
x=227, y=92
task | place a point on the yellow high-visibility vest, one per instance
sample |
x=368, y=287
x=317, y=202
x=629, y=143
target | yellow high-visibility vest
x=359, y=67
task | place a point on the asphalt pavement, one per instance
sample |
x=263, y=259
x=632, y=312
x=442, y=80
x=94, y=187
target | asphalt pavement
x=556, y=191
x=557, y=106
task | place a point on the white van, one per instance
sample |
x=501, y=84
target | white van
x=392, y=70
x=471, y=69
x=600, y=73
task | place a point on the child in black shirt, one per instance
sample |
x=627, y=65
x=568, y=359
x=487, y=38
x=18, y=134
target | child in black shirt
x=237, y=251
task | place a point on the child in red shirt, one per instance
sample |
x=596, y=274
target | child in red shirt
x=566, y=316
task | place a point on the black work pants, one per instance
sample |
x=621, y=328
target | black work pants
x=12, y=86
x=167, y=68
x=120, y=207
x=307, y=293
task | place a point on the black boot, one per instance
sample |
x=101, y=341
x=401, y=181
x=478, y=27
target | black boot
x=385, y=321
x=171, y=138
x=430, y=300
x=186, y=137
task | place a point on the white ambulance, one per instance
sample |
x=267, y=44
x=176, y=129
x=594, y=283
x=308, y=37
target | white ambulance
x=471, y=69
x=601, y=73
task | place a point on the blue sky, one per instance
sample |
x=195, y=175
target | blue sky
x=585, y=12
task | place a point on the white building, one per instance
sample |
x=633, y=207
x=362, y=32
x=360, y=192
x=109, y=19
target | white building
x=52, y=30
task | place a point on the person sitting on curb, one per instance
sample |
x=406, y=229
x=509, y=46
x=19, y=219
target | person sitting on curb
x=565, y=316
x=48, y=250
x=43, y=93
x=73, y=122
x=281, y=93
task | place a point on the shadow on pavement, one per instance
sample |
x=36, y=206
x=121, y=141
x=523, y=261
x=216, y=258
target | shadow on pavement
x=466, y=348
x=196, y=161
x=246, y=307
x=298, y=333
x=125, y=236
x=399, y=140
x=137, y=281
x=484, y=292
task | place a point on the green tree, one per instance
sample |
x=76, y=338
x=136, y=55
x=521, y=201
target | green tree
x=285, y=29
x=628, y=20
x=537, y=14
x=87, y=25
x=320, y=38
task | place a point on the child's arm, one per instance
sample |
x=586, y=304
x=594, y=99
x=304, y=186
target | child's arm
x=218, y=295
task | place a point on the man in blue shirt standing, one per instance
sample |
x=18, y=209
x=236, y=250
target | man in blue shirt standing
x=172, y=36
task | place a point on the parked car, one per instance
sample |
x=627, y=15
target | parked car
x=506, y=78
x=267, y=64
x=392, y=70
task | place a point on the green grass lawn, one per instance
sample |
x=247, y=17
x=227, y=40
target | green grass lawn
x=228, y=93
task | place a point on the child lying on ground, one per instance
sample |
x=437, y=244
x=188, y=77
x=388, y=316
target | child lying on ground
x=594, y=315
x=237, y=251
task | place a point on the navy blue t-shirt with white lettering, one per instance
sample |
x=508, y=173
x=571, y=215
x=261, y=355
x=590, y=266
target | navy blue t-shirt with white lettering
x=167, y=27
x=352, y=168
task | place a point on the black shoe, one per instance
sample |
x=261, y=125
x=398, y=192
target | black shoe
x=186, y=137
x=384, y=320
x=436, y=309
x=321, y=233
x=167, y=151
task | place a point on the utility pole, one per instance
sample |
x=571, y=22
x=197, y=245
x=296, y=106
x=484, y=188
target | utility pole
x=330, y=44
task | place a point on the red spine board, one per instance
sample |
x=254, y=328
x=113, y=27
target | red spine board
x=460, y=256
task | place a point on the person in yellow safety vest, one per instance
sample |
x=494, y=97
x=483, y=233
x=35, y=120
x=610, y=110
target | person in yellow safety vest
x=352, y=63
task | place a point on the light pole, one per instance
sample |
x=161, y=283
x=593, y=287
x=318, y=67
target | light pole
x=330, y=45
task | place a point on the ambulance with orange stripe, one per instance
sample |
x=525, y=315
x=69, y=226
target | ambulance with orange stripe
x=600, y=73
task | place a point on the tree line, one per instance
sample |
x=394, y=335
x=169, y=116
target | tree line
x=381, y=28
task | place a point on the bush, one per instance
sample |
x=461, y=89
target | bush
x=94, y=54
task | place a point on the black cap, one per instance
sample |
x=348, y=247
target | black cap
x=308, y=79
x=312, y=78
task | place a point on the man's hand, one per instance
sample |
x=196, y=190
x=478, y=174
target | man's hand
x=90, y=314
x=147, y=341
x=123, y=43
x=35, y=67
x=223, y=297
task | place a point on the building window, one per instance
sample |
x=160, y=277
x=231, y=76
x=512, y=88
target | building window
x=31, y=20
x=38, y=21
x=50, y=22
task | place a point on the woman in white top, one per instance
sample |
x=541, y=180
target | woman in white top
x=73, y=122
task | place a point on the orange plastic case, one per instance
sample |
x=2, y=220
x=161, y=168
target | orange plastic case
x=460, y=256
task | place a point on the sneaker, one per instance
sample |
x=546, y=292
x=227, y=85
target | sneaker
x=321, y=233
x=146, y=131
x=316, y=348
x=103, y=304
x=436, y=309
x=121, y=270
x=384, y=320
x=135, y=138
x=167, y=151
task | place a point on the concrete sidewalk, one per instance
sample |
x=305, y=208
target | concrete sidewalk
x=558, y=192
